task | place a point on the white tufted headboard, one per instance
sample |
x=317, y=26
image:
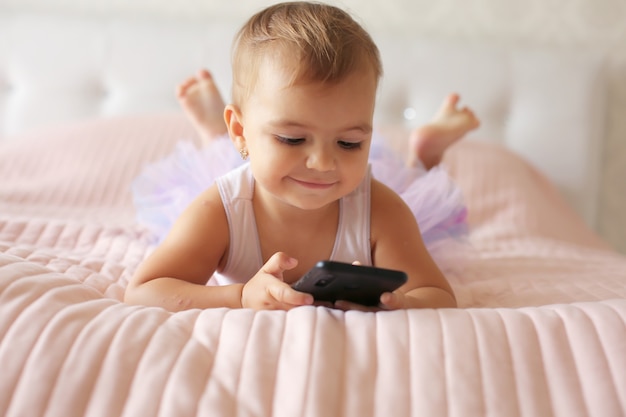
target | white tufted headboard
x=547, y=104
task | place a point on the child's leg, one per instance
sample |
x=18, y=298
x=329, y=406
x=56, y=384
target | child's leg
x=203, y=105
x=429, y=142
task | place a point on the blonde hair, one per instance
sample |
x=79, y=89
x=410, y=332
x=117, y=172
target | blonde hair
x=324, y=42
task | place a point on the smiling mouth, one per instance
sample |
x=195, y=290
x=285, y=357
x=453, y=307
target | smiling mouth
x=318, y=185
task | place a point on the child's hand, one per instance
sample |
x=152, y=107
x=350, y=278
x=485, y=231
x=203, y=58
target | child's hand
x=267, y=290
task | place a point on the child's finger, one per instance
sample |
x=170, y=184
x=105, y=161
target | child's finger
x=391, y=301
x=283, y=293
x=278, y=263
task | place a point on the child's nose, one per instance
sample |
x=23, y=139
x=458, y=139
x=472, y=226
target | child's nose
x=321, y=159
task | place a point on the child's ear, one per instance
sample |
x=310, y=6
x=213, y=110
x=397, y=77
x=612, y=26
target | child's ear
x=234, y=123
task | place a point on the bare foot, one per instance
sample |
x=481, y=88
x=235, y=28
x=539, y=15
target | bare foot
x=203, y=105
x=429, y=142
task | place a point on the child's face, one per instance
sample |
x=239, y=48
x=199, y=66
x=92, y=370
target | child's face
x=309, y=143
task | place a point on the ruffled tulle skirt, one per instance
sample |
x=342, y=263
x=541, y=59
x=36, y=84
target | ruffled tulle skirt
x=165, y=188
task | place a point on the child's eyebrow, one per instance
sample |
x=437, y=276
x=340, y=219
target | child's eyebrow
x=363, y=128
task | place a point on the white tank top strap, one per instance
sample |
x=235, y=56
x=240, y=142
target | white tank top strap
x=353, y=232
x=244, y=254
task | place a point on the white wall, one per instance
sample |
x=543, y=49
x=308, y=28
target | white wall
x=589, y=22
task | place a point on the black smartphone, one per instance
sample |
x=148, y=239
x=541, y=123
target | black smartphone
x=331, y=281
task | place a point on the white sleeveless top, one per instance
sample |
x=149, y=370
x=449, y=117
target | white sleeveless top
x=352, y=242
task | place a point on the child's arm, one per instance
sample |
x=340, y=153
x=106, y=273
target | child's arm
x=174, y=276
x=397, y=244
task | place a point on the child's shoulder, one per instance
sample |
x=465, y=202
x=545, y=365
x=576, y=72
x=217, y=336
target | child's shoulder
x=208, y=204
x=383, y=197
x=388, y=209
x=204, y=217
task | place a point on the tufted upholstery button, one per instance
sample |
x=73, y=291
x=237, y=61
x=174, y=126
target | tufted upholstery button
x=409, y=113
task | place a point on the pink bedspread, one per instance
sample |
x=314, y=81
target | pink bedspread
x=541, y=331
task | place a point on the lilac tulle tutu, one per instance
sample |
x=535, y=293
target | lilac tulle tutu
x=165, y=188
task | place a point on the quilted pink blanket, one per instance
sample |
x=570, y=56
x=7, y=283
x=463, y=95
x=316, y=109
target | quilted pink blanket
x=540, y=332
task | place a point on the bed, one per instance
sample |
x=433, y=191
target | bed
x=540, y=331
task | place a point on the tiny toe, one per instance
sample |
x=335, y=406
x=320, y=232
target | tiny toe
x=204, y=74
x=182, y=88
x=189, y=82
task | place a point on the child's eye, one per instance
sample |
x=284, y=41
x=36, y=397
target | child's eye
x=349, y=145
x=290, y=141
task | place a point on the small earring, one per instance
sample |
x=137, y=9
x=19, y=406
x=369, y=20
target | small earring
x=244, y=153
